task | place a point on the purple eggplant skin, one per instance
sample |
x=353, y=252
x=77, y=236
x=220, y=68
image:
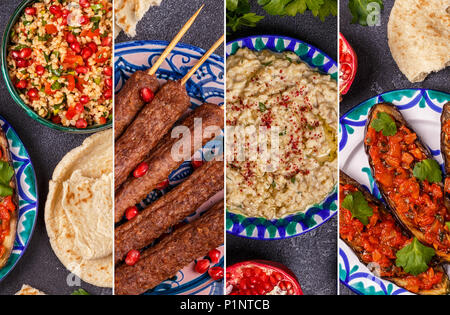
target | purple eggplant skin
x=400, y=121
x=9, y=240
x=445, y=148
x=442, y=289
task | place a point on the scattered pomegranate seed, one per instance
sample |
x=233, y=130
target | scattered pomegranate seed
x=147, y=95
x=81, y=123
x=196, y=164
x=163, y=185
x=84, y=99
x=30, y=11
x=202, y=265
x=216, y=273
x=22, y=84
x=214, y=254
x=33, y=94
x=39, y=70
x=131, y=212
x=132, y=257
x=140, y=170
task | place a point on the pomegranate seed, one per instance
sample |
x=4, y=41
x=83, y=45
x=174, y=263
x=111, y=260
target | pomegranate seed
x=92, y=46
x=21, y=63
x=163, y=185
x=214, y=254
x=65, y=13
x=22, y=84
x=107, y=71
x=33, y=94
x=84, y=20
x=131, y=212
x=85, y=3
x=102, y=120
x=70, y=113
x=70, y=38
x=55, y=10
x=76, y=47
x=202, y=265
x=106, y=41
x=132, y=257
x=56, y=119
x=39, y=70
x=81, y=69
x=108, y=93
x=81, y=123
x=79, y=108
x=216, y=273
x=147, y=95
x=30, y=11
x=25, y=52
x=86, y=53
x=108, y=82
x=197, y=164
x=141, y=170
x=15, y=54
x=84, y=99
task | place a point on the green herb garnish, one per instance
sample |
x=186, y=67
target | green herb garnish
x=358, y=206
x=428, y=170
x=80, y=292
x=239, y=14
x=319, y=8
x=385, y=123
x=6, y=174
x=262, y=107
x=414, y=257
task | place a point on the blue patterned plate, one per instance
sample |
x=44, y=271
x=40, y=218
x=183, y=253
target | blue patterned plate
x=28, y=197
x=316, y=215
x=422, y=109
x=207, y=85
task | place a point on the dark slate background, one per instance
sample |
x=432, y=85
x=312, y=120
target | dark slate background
x=377, y=70
x=39, y=266
x=312, y=256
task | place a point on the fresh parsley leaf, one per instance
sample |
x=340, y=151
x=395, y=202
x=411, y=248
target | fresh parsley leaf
x=448, y=225
x=360, y=10
x=358, y=206
x=6, y=174
x=239, y=14
x=414, y=257
x=232, y=5
x=385, y=123
x=262, y=107
x=428, y=170
x=320, y=8
x=80, y=292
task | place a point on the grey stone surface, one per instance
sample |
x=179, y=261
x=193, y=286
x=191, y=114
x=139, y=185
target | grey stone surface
x=377, y=70
x=312, y=256
x=164, y=22
x=39, y=267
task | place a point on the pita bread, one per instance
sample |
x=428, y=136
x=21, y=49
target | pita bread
x=91, y=162
x=129, y=12
x=419, y=36
x=28, y=290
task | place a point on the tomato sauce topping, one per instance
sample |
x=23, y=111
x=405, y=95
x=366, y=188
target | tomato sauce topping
x=7, y=207
x=379, y=241
x=419, y=203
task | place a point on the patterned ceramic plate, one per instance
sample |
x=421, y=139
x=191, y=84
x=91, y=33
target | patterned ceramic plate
x=422, y=110
x=207, y=85
x=316, y=215
x=28, y=197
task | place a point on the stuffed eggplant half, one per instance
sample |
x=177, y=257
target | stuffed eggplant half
x=408, y=177
x=382, y=244
x=445, y=150
x=8, y=202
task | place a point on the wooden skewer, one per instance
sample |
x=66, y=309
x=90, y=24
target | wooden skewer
x=174, y=42
x=202, y=60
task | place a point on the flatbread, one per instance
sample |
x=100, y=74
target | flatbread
x=129, y=12
x=93, y=160
x=28, y=290
x=419, y=36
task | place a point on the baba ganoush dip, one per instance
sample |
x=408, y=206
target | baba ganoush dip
x=278, y=92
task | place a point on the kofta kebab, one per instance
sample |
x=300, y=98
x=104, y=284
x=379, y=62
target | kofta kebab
x=144, y=115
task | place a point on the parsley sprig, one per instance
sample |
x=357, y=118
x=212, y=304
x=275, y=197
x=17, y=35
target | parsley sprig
x=414, y=257
x=358, y=206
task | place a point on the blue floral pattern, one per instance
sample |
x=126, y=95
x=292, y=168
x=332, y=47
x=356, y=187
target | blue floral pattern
x=299, y=223
x=207, y=85
x=28, y=197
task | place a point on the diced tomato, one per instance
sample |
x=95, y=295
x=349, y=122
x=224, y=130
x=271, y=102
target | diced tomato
x=51, y=29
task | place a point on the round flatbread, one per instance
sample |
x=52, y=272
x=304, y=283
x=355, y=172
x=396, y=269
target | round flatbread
x=419, y=36
x=80, y=239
